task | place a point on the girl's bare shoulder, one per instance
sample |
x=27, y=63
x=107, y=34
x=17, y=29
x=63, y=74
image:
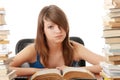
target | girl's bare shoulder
x=27, y=53
x=77, y=47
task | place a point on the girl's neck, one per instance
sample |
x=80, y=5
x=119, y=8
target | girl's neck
x=55, y=48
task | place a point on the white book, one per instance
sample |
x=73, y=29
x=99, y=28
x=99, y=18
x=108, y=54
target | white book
x=11, y=75
x=114, y=10
x=114, y=14
x=111, y=33
x=115, y=46
x=2, y=12
x=109, y=66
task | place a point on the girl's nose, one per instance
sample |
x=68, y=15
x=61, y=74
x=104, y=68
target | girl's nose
x=57, y=29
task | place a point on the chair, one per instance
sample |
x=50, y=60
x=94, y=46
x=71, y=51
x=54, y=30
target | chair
x=24, y=42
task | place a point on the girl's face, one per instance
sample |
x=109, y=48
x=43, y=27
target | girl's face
x=53, y=32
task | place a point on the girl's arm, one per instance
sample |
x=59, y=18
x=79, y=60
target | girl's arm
x=20, y=71
x=28, y=54
x=90, y=57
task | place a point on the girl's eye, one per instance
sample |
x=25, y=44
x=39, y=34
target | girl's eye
x=50, y=27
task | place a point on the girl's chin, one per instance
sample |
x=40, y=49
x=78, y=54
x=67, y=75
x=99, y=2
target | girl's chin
x=58, y=41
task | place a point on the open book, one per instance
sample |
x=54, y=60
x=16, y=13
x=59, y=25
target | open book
x=69, y=73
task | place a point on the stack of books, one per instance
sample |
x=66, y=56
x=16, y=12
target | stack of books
x=4, y=33
x=111, y=34
x=110, y=71
x=5, y=72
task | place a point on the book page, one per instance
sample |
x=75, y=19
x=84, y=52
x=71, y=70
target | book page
x=47, y=74
x=77, y=72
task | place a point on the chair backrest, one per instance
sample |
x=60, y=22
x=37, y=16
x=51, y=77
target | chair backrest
x=24, y=42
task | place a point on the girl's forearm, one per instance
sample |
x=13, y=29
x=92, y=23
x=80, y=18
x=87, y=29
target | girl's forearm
x=95, y=68
x=25, y=71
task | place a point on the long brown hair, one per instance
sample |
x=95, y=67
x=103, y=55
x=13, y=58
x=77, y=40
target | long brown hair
x=57, y=16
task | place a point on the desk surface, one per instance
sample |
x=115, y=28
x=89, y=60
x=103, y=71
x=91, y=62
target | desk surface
x=25, y=78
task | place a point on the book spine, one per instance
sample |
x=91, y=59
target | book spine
x=114, y=51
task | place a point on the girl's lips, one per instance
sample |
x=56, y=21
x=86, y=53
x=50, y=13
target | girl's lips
x=58, y=36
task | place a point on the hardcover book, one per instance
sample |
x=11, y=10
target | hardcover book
x=111, y=33
x=114, y=46
x=108, y=4
x=114, y=62
x=69, y=73
x=113, y=57
x=112, y=40
x=108, y=77
x=9, y=76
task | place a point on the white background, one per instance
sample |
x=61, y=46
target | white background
x=84, y=16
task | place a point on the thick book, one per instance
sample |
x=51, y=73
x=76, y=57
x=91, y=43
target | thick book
x=2, y=20
x=112, y=40
x=114, y=14
x=6, y=61
x=114, y=10
x=108, y=77
x=113, y=57
x=115, y=62
x=4, y=41
x=2, y=16
x=108, y=4
x=69, y=73
x=109, y=51
x=110, y=71
x=3, y=37
x=114, y=51
x=111, y=25
x=114, y=46
x=9, y=76
x=110, y=68
x=5, y=56
x=111, y=33
x=4, y=32
x=3, y=69
x=2, y=11
x=106, y=18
